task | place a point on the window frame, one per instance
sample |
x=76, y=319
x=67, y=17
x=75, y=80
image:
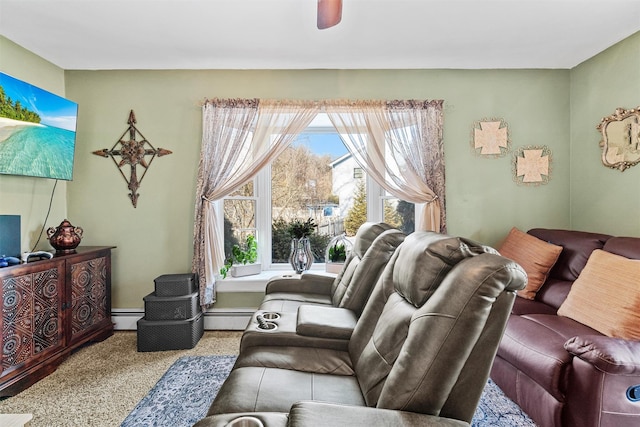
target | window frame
x=376, y=196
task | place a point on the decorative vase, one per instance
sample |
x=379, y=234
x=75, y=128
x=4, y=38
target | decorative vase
x=65, y=238
x=301, y=256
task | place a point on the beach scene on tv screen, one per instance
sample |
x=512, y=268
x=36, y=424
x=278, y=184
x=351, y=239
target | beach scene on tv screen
x=37, y=131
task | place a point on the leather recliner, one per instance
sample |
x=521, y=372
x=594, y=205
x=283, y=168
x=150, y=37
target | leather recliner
x=287, y=293
x=328, y=325
x=420, y=353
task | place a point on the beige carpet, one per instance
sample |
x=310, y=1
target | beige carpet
x=101, y=383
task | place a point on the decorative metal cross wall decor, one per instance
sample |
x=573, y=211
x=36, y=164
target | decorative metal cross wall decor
x=132, y=153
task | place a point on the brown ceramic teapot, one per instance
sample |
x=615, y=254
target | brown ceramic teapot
x=65, y=238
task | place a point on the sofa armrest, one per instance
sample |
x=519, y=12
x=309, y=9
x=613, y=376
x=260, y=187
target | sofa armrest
x=305, y=283
x=313, y=414
x=268, y=419
x=325, y=322
x=610, y=355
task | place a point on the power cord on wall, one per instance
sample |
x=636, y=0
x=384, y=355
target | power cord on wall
x=44, y=224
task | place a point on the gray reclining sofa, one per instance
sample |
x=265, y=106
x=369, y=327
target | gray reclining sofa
x=420, y=352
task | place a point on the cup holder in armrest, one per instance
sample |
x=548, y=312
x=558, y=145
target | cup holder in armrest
x=633, y=393
x=269, y=315
x=264, y=325
x=245, y=422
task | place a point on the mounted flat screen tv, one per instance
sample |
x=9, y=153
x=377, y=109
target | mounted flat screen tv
x=37, y=131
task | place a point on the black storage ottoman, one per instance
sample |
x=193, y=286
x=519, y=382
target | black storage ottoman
x=175, y=285
x=160, y=335
x=171, y=308
x=173, y=318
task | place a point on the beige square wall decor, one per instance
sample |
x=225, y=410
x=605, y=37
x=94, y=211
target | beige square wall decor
x=490, y=138
x=532, y=165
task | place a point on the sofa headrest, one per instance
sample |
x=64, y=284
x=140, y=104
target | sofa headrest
x=354, y=294
x=628, y=247
x=425, y=258
x=576, y=249
x=365, y=236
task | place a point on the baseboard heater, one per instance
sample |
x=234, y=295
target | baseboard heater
x=227, y=319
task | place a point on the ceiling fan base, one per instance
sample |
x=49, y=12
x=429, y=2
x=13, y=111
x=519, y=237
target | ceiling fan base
x=329, y=13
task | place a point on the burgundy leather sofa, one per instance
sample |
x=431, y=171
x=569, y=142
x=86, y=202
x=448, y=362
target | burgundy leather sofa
x=559, y=371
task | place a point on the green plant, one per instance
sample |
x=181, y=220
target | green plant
x=337, y=253
x=357, y=215
x=240, y=256
x=299, y=229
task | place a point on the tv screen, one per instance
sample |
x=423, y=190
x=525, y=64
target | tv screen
x=37, y=131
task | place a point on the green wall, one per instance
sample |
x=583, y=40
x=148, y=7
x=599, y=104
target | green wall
x=25, y=196
x=155, y=238
x=557, y=108
x=603, y=199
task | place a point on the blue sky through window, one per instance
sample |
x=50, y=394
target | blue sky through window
x=323, y=143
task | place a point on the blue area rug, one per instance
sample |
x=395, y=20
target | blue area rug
x=184, y=393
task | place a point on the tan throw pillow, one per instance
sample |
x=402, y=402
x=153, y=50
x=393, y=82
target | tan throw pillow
x=606, y=296
x=536, y=256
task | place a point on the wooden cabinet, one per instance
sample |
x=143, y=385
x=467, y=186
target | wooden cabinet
x=49, y=308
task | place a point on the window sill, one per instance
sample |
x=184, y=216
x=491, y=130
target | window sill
x=257, y=282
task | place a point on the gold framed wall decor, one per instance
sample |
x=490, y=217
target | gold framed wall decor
x=491, y=138
x=620, y=141
x=532, y=165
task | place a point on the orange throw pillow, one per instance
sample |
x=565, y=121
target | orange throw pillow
x=606, y=296
x=535, y=256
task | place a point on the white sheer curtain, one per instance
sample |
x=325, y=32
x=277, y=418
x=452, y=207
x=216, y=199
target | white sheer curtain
x=399, y=144
x=239, y=138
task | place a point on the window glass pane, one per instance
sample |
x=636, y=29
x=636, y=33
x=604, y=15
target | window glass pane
x=400, y=214
x=244, y=191
x=355, y=205
x=239, y=222
x=303, y=187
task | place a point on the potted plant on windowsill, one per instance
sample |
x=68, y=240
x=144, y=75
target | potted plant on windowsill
x=336, y=253
x=242, y=262
x=301, y=257
x=337, y=257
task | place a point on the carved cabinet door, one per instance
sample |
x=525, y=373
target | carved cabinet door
x=32, y=325
x=89, y=284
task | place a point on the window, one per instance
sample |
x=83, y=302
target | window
x=316, y=178
x=239, y=217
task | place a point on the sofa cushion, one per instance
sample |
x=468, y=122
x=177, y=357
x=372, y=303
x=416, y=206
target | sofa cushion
x=628, y=247
x=536, y=256
x=254, y=389
x=280, y=302
x=606, y=296
x=305, y=359
x=577, y=246
x=526, y=306
x=554, y=292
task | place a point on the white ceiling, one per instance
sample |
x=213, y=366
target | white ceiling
x=282, y=34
